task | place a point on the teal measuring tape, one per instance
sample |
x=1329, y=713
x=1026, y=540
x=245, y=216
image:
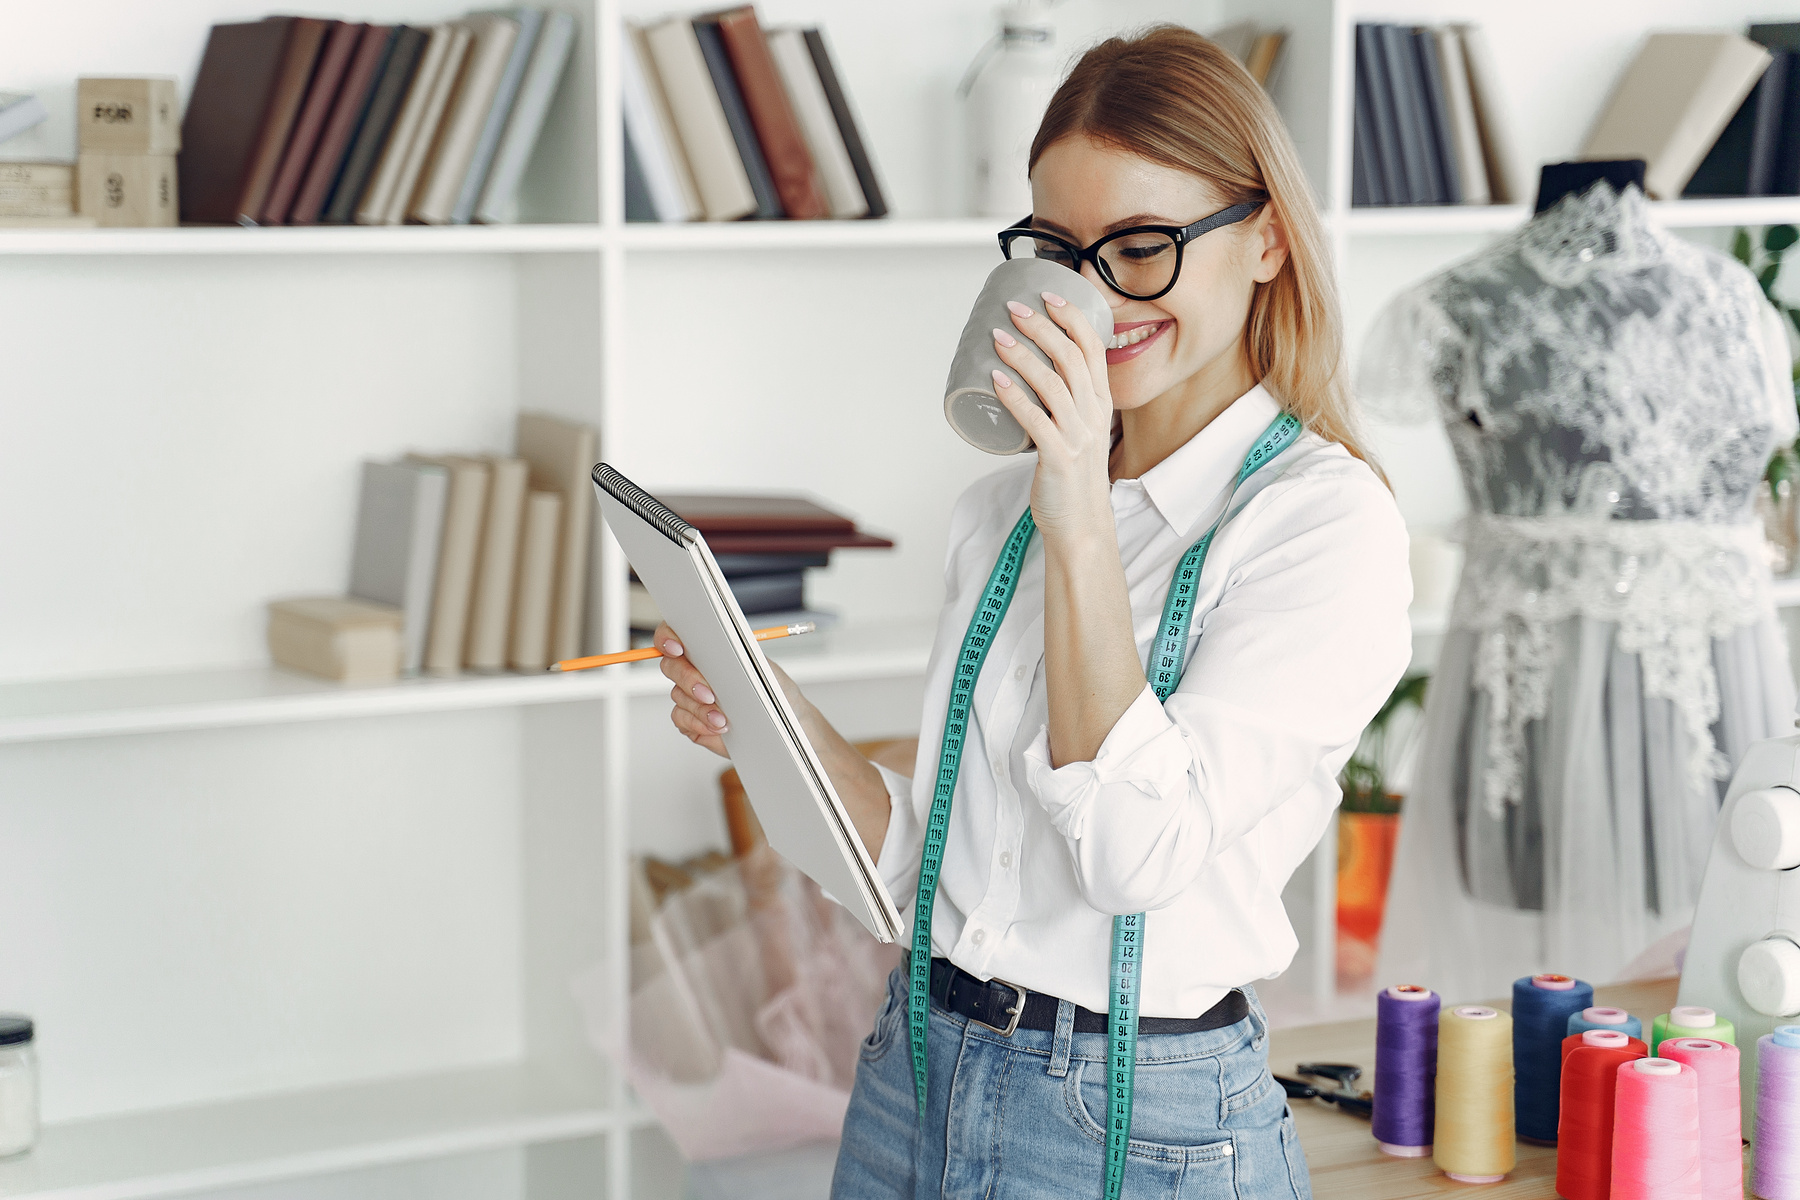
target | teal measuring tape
x=1167, y=657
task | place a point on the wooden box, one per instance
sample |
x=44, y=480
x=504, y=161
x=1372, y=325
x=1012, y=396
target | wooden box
x=354, y=641
x=128, y=189
x=128, y=116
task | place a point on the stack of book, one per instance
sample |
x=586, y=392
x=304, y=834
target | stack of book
x=461, y=563
x=1255, y=45
x=1758, y=151
x=764, y=546
x=725, y=120
x=298, y=121
x=38, y=194
x=1430, y=125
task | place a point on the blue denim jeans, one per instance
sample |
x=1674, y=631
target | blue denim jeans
x=1022, y=1117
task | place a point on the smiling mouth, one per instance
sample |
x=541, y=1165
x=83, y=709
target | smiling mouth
x=1134, y=334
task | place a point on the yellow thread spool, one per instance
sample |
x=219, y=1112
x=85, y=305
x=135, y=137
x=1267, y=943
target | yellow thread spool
x=1474, y=1138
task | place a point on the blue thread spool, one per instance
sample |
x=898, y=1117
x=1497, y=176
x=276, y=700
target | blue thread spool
x=1613, y=1020
x=1541, y=1008
x=1406, y=1029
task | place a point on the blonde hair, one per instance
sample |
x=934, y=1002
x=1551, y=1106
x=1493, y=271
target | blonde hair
x=1176, y=98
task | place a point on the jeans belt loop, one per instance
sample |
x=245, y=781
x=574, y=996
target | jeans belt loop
x=1064, y=1039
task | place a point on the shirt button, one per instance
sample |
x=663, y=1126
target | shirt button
x=1019, y=673
x=999, y=764
x=980, y=936
x=1006, y=858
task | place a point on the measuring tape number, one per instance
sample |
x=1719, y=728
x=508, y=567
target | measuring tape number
x=1168, y=655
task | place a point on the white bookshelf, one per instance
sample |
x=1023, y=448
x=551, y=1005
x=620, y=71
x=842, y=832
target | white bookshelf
x=279, y=933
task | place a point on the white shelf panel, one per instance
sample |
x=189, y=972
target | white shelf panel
x=292, y=1135
x=814, y=235
x=159, y=703
x=313, y=239
x=1436, y=220
x=52, y=710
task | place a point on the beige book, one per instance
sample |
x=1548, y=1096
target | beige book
x=464, y=508
x=1265, y=52
x=712, y=155
x=1507, y=181
x=1236, y=39
x=437, y=103
x=440, y=182
x=490, y=611
x=837, y=177
x=535, y=591
x=665, y=120
x=378, y=196
x=128, y=189
x=1673, y=102
x=73, y=222
x=128, y=116
x=38, y=174
x=36, y=201
x=562, y=455
x=1465, y=133
x=336, y=637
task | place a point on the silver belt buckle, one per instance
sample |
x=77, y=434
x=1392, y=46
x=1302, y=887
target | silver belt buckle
x=1014, y=1012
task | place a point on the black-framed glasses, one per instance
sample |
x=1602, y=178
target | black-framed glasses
x=1140, y=263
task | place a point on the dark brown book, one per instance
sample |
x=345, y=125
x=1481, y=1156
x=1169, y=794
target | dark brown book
x=839, y=99
x=376, y=124
x=346, y=113
x=321, y=92
x=793, y=543
x=246, y=95
x=713, y=512
x=777, y=129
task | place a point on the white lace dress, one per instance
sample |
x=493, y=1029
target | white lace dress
x=1612, y=394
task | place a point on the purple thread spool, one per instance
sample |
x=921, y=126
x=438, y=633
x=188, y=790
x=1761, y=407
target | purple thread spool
x=1775, y=1158
x=1406, y=1031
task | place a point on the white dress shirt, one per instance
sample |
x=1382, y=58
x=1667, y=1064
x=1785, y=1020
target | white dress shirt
x=1196, y=810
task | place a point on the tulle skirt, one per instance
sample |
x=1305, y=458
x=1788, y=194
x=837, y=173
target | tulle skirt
x=1602, y=854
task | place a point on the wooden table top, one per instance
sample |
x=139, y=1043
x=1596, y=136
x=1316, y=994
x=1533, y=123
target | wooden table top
x=1340, y=1150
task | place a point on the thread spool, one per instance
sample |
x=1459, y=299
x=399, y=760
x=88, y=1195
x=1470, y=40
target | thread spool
x=1473, y=1138
x=1584, y=1132
x=1541, y=1008
x=1775, y=1156
x=1691, y=1021
x=1406, y=1033
x=1605, y=1018
x=1721, y=1134
x=1656, y=1131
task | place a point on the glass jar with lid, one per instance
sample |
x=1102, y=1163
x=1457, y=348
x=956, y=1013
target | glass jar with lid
x=18, y=1085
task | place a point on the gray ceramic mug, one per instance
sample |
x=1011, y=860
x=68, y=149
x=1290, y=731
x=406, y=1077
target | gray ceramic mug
x=969, y=401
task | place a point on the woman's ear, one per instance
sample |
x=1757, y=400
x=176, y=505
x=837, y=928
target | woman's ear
x=1269, y=244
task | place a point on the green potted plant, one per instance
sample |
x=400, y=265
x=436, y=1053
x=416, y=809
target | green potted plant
x=1368, y=825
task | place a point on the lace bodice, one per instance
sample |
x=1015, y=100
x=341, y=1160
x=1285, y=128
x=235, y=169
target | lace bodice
x=1612, y=394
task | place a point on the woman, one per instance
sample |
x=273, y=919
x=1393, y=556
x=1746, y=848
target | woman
x=1082, y=795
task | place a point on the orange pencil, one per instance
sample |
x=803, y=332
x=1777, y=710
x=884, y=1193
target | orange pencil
x=625, y=656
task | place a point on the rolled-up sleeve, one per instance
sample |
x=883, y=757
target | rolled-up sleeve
x=1306, y=641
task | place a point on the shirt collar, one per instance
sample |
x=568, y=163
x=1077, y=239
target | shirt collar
x=1185, y=484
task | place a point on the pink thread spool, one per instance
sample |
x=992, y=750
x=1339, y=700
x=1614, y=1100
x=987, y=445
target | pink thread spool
x=1656, y=1131
x=1775, y=1157
x=1721, y=1131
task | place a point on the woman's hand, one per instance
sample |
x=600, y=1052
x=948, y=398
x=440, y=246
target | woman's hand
x=696, y=714
x=1070, y=493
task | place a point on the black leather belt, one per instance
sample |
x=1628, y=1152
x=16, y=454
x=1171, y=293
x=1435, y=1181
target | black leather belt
x=1003, y=1007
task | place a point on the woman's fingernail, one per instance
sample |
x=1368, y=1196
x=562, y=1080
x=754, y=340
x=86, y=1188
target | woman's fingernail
x=672, y=648
x=1000, y=380
x=1005, y=338
x=704, y=694
x=1017, y=309
x=716, y=720
x=1054, y=300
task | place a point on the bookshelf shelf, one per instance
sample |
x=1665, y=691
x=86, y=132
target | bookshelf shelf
x=1439, y=220
x=114, y=705
x=294, y=1135
x=318, y=239
x=813, y=235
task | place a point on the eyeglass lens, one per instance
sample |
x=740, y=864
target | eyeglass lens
x=1138, y=264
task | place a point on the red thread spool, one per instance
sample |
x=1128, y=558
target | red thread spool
x=1656, y=1131
x=1584, y=1127
x=1721, y=1134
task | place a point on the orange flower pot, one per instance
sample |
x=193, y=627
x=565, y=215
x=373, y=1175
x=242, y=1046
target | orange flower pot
x=1365, y=859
